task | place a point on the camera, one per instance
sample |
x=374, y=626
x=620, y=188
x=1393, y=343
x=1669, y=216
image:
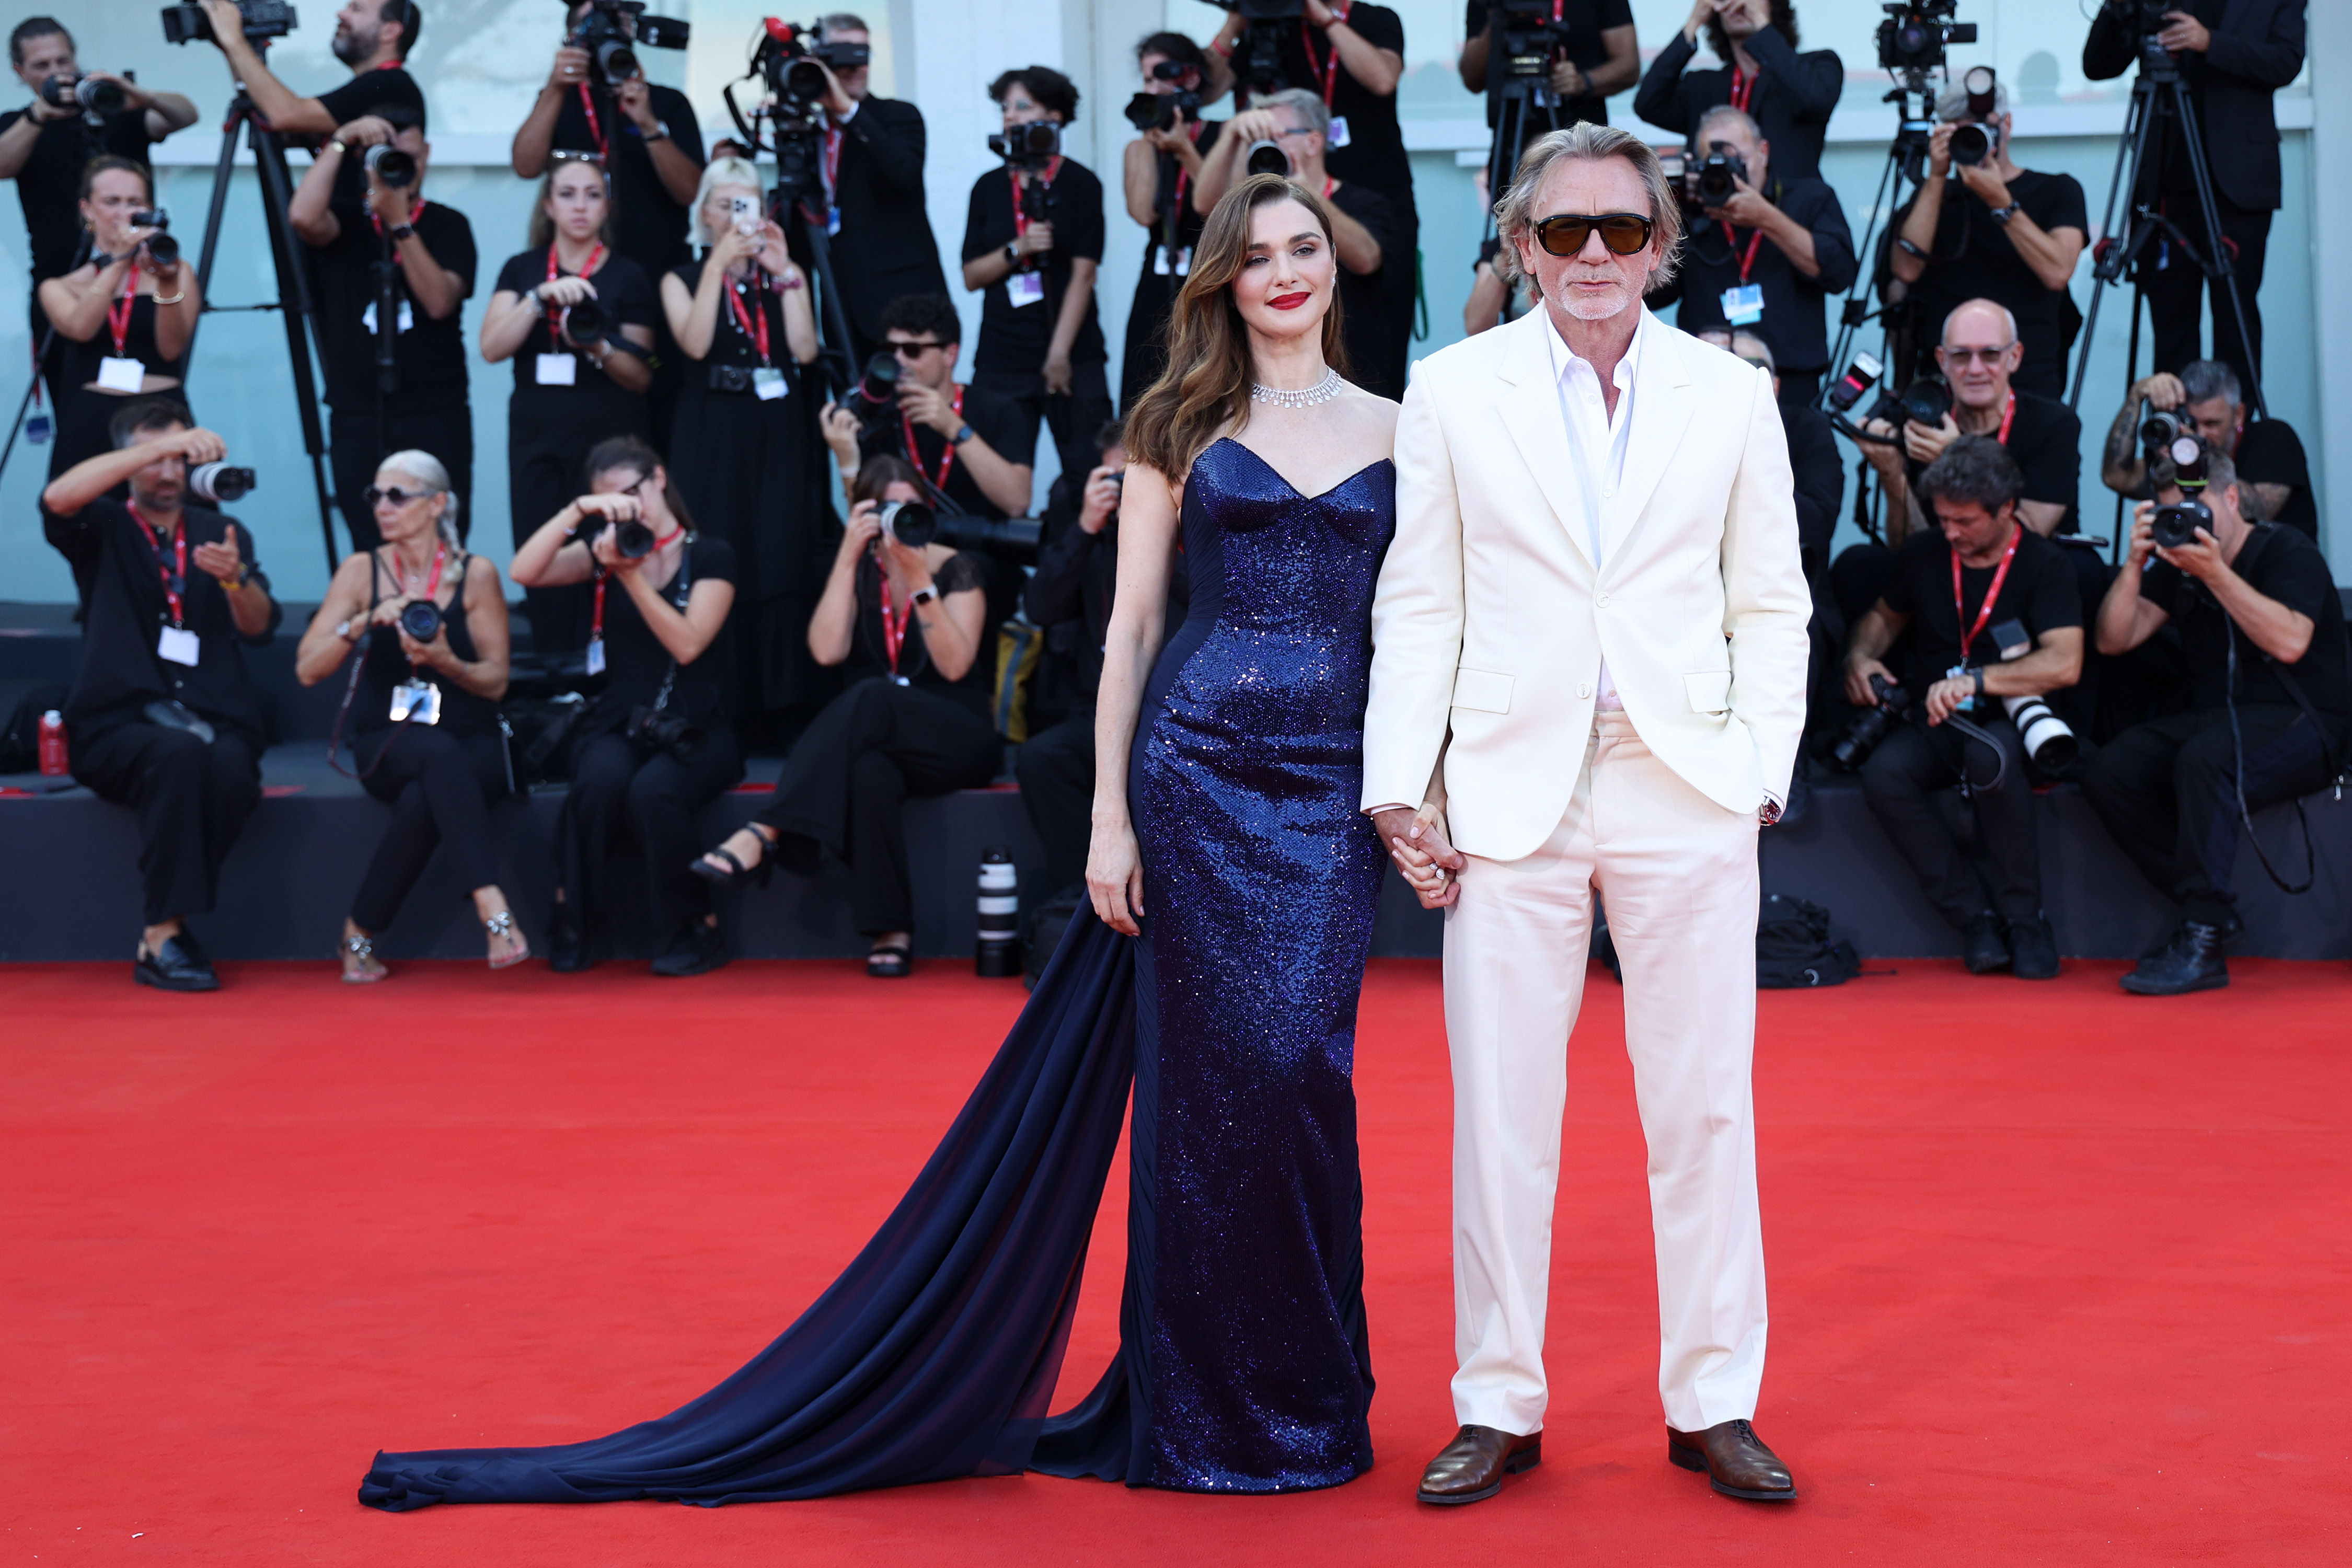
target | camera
x=909, y=522
x=2184, y=455
x=1158, y=111
x=1913, y=38
x=2159, y=429
x=263, y=20
x=632, y=539
x=91, y=95
x=1257, y=53
x=584, y=322
x=1012, y=540
x=1926, y=401
x=389, y=164
x=162, y=249
x=2176, y=525
x=421, y=619
x=2049, y=740
x=1869, y=726
x=612, y=31
x=659, y=730
x=793, y=60
x=1720, y=174
x=875, y=394
x=1029, y=146
x=1267, y=158
x=1526, y=35
x=217, y=482
x=1972, y=144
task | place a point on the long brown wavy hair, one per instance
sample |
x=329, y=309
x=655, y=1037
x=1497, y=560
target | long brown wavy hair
x=1205, y=389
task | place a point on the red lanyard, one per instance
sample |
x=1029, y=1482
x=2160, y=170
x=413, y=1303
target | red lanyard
x=1743, y=89
x=946, y=459
x=1329, y=185
x=2008, y=413
x=753, y=323
x=596, y=624
x=177, y=576
x=118, y=315
x=894, y=627
x=594, y=257
x=1732, y=235
x=1184, y=180
x=414, y=214
x=1984, y=611
x=1330, y=67
x=433, y=583
x=1020, y=218
x=832, y=164
x=596, y=127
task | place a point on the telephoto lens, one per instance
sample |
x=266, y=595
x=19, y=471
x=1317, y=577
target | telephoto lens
x=421, y=619
x=1971, y=145
x=1268, y=158
x=215, y=482
x=2049, y=740
x=93, y=95
x=2160, y=430
x=1149, y=111
x=876, y=394
x=389, y=164
x=584, y=322
x=163, y=251
x=1926, y=401
x=996, y=954
x=2176, y=525
x=909, y=522
x=1869, y=726
x=632, y=539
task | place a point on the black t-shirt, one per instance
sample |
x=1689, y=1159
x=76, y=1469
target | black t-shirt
x=1374, y=153
x=1363, y=323
x=369, y=92
x=430, y=354
x=49, y=185
x=2039, y=591
x=1188, y=220
x=869, y=655
x=622, y=289
x=993, y=417
x=650, y=224
x=122, y=668
x=1586, y=20
x=2278, y=563
x=634, y=661
x=2271, y=453
x=2045, y=442
x=1015, y=337
x=1972, y=258
x=1796, y=308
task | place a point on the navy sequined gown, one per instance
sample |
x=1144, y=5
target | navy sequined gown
x=1243, y=1363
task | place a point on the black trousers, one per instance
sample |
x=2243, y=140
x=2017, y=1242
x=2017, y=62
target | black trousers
x=440, y=786
x=618, y=786
x=1073, y=419
x=356, y=443
x=192, y=799
x=1056, y=770
x=2176, y=293
x=1900, y=781
x=2165, y=790
x=845, y=785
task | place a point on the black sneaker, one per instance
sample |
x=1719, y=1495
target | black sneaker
x=177, y=965
x=2033, y=949
x=695, y=950
x=567, y=949
x=1981, y=947
x=2191, y=961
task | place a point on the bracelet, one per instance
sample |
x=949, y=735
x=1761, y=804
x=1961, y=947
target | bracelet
x=337, y=143
x=928, y=593
x=404, y=231
x=792, y=281
x=1907, y=248
x=174, y=299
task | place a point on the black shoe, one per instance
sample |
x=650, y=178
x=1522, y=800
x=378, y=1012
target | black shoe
x=695, y=950
x=2033, y=949
x=567, y=949
x=178, y=965
x=2191, y=961
x=1981, y=947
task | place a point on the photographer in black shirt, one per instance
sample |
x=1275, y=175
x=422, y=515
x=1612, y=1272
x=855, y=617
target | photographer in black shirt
x=1790, y=96
x=1163, y=165
x=430, y=249
x=959, y=438
x=164, y=717
x=2271, y=706
x=372, y=36
x=2022, y=637
x=2274, y=476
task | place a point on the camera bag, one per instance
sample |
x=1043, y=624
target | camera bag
x=1793, y=949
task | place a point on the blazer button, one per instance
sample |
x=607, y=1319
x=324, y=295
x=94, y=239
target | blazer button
x=1584, y=689
x=1602, y=601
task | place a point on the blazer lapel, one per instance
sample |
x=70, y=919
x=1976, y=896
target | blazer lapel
x=1528, y=403
x=1662, y=412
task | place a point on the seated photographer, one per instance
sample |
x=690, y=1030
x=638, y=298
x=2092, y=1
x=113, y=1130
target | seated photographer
x=578, y=321
x=373, y=37
x=1772, y=252
x=2263, y=628
x=906, y=623
x=422, y=711
x=1162, y=166
x=1990, y=230
x=960, y=438
x=2015, y=595
x=745, y=450
x=2205, y=397
x=1813, y=460
x=1790, y=96
x=1366, y=232
x=658, y=746
x=431, y=247
x=164, y=717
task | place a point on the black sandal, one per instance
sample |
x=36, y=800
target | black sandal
x=890, y=962
x=755, y=876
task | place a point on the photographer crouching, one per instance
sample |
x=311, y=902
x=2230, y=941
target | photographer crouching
x=658, y=746
x=2014, y=630
x=164, y=717
x=2263, y=628
x=429, y=622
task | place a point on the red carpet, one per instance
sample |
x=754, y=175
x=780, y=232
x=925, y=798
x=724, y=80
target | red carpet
x=2058, y=1274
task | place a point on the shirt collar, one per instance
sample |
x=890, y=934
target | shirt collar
x=1563, y=357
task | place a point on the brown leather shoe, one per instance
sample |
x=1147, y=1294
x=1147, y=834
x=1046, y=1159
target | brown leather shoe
x=1471, y=1468
x=1736, y=1460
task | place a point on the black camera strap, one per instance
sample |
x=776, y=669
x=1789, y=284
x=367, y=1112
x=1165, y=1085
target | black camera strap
x=360, y=651
x=2336, y=766
x=681, y=588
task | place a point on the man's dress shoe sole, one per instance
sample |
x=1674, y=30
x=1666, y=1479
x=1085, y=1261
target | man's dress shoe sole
x=1694, y=1461
x=1511, y=1467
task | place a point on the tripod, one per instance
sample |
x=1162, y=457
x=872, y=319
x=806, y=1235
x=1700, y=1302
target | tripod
x=293, y=280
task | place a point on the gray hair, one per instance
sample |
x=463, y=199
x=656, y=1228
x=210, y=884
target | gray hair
x=423, y=465
x=1724, y=114
x=2206, y=379
x=1515, y=214
x=1308, y=106
x=842, y=21
x=717, y=172
x=1952, y=102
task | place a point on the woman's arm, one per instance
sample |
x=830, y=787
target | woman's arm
x=835, y=620
x=630, y=372
x=800, y=322
x=684, y=637
x=77, y=309
x=485, y=618
x=1076, y=298
x=1139, y=174
x=506, y=323
x=552, y=557
x=1146, y=541
x=176, y=323
x=321, y=652
x=693, y=318
x=308, y=214
x=952, y=624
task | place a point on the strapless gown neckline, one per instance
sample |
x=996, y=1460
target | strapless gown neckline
x=1375, y=464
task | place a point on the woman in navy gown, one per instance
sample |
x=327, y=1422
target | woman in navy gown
x=1235, y=884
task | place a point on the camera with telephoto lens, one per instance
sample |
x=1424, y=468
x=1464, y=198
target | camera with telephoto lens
x=1913, y=38
x=162, y=249
x=873, y=396
x=612, y=31
x=421, y=619
x=585, y=324
x=792, y=59
x=1029, y=146
x=389, y=164
x=1267, y=158
x=1269, y=24
x=90, y=94
x=1976, y=140
x=1869, y=726
x=215, y=482
x=2176, y=525
x=2049, y=740
x=909, y=522
x=1010, y=541
x=1158, y=110
x=1720, y=176
x=659, y=730
x=1926, y=401
x=263, y=20
x=633, y=540
x=2160, y=427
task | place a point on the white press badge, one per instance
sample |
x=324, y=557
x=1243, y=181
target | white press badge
x=1025, y=288
x=1176, y=263
x=407, y=318
x=833, y=222
x=768, y=382
x=557, y=369
x=1337, y=136
x=179, y=645
x=417, y=702
x=1744, y=304
x=596, y=655
x=116, y=374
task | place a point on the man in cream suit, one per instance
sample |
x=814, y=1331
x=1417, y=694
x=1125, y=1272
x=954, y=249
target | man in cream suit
x=1589, y=668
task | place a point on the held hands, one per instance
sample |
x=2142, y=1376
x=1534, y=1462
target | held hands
x=1036, y=241
x=928, y=406
x=1939, y=152
x=1103, y=487
x=864, y=528
x=1985, y=182
x=2143, y=537
x=365, y=132
x=227, y=21
x=1568, y=80
x=194, y=445
x=1115, y=875
x=1858, y=671
x=1176, y=140
x=840, y=428
x=1416, y=842
x=838, y=101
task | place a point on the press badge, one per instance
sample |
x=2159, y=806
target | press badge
x=120, y=375
x=179, y=645
x=768, y=382
x=417, y=702
x=1744, y=304
x=407, y=318
x=596, y=655
x=832, y=221
x=1025, y=288
x=1176, y=263
x=557, y=369
x=1337, y=136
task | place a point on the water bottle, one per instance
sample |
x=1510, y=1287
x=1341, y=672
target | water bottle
x=997, y=953
x=54, y=764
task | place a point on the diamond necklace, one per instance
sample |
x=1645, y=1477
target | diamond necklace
x=1323, y=391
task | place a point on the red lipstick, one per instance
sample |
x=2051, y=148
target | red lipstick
x=1289, y=301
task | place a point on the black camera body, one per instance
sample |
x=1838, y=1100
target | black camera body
x=633, y=540
x=421, y=619
x=875, y=396
x=1525, y=39
x=94, y=96
x=1916, y=33
x=1029, y=146
x=1973, y=144
x=1926, y=401
x=1720, y=176
x=1869, y=726
x=2159, y=429
x=263, y=20
x=389, y=164
x=2177, y=524
x=1158, y=110
x=162, y=249
x=614, y=30
x=585, y=324
x=659, y=730
x=793, y=60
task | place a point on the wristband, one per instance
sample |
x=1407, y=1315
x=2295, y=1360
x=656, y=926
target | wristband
x=1013, y=253
x=2002, y=215
x=928, y=593
x=1907, y=248
x=1978, y=671
x=963, y=433
x=406, y=231
x=660, y=133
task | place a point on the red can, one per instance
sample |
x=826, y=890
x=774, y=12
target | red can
x=53, y=745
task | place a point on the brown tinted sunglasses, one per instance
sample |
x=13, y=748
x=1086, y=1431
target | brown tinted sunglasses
x=1564, y=234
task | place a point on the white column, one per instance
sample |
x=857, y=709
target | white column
x=2331, y=308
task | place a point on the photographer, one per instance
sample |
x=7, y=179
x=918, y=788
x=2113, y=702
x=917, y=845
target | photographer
x=162, y=717
x=874, y=151
x=658, y=746
x=374, y=37
x=423, y=712
x=906, y=623
x=1352, y=58
x=2206, y=396
x=2007, y=585
x=577, y=319
x=1813, y=462
x=1041, y=343
x=2234, y=59
x=1163, y=165
x=1990, y=230
x=1366, y=232
x=647, y=140
x=431, y=248
x=1774, y=252
x=956, y=436
x=2263, y=628
x=1789, y=95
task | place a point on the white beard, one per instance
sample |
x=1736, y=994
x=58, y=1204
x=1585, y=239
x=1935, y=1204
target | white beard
x=1588, y=308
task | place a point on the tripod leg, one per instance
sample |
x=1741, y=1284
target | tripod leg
x=2131, y=371
x=224, y=171
x=2219, y=268
x=301, y=320
x=2130, y=159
